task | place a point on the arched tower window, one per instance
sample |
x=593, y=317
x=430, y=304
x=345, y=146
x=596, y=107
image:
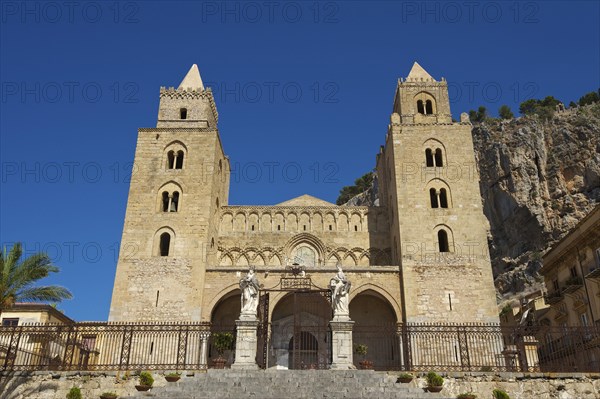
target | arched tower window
x=438, y=158
x=179, y=160
x=165, y=243
x=175, y=152
x=169, y=197
x=433, y=198
x=428, y=157
x=420, y=108
x=428, y=107
x=443, y=241
x=183, y=113
x=443, y=198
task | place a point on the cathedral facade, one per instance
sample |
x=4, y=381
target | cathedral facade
x=421, y=255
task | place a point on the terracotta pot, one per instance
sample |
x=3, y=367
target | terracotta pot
x=108, y=396
x=434, y=389
x=172, y=378
x=219, y=363
x=405, y=380
x=143, y=387
x=366, y=365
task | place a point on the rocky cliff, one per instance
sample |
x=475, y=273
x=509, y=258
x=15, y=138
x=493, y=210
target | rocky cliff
x=539, y=177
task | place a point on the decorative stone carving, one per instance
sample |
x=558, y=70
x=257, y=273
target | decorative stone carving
x=340, y=298
x=249, y=286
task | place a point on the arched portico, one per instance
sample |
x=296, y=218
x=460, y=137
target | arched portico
x=223, y=316
x=376, y=326
x=300, y=336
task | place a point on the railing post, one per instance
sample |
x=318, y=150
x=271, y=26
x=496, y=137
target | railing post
x=13, y=349
x=182, y=346
x=125, y=347
x=408, y=364
x=463, y=348
x=204, y=335
x=69, y=348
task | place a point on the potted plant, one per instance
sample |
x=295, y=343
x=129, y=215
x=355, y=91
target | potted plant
x=146, y=381
x=108, y=395
x=434, y=382
x=173, y=377
x=500, y=394
x=222, y=341
x=405, y=378
x=74, y=393
x=468, y=395
x=361, y=349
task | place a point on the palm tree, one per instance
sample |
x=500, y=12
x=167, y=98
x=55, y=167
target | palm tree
x=18, y=277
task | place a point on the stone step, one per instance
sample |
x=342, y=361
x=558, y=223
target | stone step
x=281, y=384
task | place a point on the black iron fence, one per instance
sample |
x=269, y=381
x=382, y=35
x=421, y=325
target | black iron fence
x=104, y=346
x=413, y=347
x=480, y=347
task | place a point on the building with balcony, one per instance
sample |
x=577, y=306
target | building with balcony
x=571, y=271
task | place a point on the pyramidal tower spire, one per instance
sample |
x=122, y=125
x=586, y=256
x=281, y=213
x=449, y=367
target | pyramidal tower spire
x=418, y=73
x=192, y=80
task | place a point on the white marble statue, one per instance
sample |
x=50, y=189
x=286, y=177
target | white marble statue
x=340, y=290
x=249, y=287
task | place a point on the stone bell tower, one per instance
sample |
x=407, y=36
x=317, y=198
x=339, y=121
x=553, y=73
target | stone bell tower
x=430, y=186
x=180, y=179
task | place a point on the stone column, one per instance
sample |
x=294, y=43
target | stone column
x=204, y=349
x=245, y=344
x=341, y=343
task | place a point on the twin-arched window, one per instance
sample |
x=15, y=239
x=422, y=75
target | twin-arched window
x=434, y=158
x=170, y=201
x=175, y=159
x=425, y=108
x=438, y=198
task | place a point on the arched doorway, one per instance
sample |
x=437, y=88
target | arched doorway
x=307, y=350
x=375, y=325
x=223, y=318
x=300, y=336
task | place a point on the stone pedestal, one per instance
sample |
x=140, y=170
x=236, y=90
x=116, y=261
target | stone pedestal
x=245, y=344
x=341, y=343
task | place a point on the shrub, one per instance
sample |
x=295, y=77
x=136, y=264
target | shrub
x=405, y=375
x=468, y=395
x=361, y=349
x=74, y=393
x=361, y=185
x=146, y=378
x=173, y=375
x=589, y=98
x=505, y=112
x=222, y=341
x=500, y=394
x=109, y=395
x=479, y=115
x=434, y=379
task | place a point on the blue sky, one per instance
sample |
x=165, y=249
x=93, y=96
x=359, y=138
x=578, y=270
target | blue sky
x=305, y=87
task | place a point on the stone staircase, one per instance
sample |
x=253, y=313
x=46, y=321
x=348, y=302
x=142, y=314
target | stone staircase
x=288, y=384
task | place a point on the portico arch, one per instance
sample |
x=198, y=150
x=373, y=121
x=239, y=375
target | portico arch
x=376, y=326
x=300, y=335
x=223, y=316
